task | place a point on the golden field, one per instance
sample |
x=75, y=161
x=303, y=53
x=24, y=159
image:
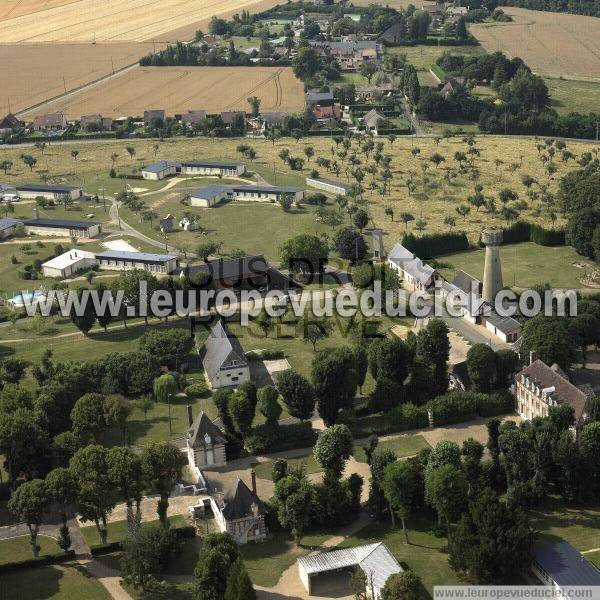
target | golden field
x=433, y=202
x=177, y=89
x=552, y=44
x=34, y=72
x=10, y=9
x=117, y=20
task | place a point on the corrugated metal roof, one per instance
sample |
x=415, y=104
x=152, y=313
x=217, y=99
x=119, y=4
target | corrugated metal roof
x=375, y=560
x=61, y=223
x=209, y=191
x=158, y=167
x=7, y=223
x=566, y=565
x=135, y=256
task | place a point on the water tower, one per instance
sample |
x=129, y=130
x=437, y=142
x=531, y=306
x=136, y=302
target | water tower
x=492, y=275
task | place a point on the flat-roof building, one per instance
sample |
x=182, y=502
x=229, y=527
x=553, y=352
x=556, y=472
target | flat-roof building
x=162, y=169
x=63, y=227
x=117, y=260
x=69, y=263
x=211, y=195
x=327, y=185
x=50, y=192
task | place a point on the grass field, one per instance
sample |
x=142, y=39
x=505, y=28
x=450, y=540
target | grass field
x=263, y=469
x=177, y=89
x=127, y=20
x=402, y=446
x=18, y=549
x=39, y=72
x=567, y=95
x=553, y=44
x=69, y=581
x=524, y=265
x=422, y=57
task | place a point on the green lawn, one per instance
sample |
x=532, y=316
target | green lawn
x=578, y=525
x=425, y=56
x=425, y=556
x=18, y=549
x=65, y=582
x=567, y=95
x=117, y=530
x=594, y=558
x=263, y=469
x=267, y=560
x=524, y=265
x=403, y=446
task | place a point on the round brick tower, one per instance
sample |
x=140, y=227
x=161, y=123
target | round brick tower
x=492, y=275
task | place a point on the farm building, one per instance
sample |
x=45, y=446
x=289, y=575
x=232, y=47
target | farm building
x=223, y=358
x=191, y=117
x=248, y=273
x=150, y=115
x=117, y=260
x=213, y=194
x=240, y=512
x=160, y=170
x=374, y=560
x=46, y=122
x=63, y=227
x=539, y=387
x=69, y=263
x=321, y=98
x=50, y=192
x=561, y=565
x=95, y=123
x=326, y=114
x=415, y=274
x=9, y=123
x=205, y=444
x=327, y=185
x=8, y=226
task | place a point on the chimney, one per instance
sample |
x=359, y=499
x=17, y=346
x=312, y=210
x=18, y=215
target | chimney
x=190, y=416
x=253, y=475
x=532, y=356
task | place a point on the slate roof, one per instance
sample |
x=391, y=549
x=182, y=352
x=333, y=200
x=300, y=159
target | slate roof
x=143, y=257
x=7, y=223
x=375, y=560
x=9, y=121
x=202, y=427
x=566, y=565
x=232, y=268
x=158, y=167
x=318, y=97
x=209, y=191
x=238, y=500
x=60, y=223
x=464, y=281
x=221, y=346
x=411, y=264
x=546, y=377
x=505, y=324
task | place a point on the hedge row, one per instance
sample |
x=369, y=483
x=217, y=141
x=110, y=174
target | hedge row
x=265, y=438
x=37, y=562
x=522, y=231
x=456, y=407
x=430, y=246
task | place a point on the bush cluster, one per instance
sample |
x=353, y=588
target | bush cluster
x=265, y=438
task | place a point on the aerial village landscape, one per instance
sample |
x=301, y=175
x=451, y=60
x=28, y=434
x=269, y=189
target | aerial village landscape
x=434, y=162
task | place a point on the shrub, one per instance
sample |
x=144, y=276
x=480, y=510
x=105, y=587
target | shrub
x=456, y=407
x=197, y=390
x=265, y=438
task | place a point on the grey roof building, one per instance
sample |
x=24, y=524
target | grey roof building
x=415, y=273
x=467, y=283
x=205, y=444
x=223, y=358
x=8, y=223
x=562, y=565
x=375, y=560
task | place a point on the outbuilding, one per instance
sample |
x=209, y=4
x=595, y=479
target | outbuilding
x=117, y=260
x=50, y=192
x=327, y=185
x=69, y=263
x=211, y=195
x=63, y=227
x=8, y=227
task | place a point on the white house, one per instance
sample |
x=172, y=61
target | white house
x=117, y=260
x=162, y=169
x=211, y=195
x=415, y=274
x=205, y=444
x=69, y=263
x=223, y=358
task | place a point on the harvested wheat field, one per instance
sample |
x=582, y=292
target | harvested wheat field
x=553, y=44
x=10, y=9
x=34, y=72
x=177, y=89
x=119, y=20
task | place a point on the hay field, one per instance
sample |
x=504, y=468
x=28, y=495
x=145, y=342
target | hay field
x=177, y=89
x=552, y=44
x=34, y=72
x=10, y=9
x=119, y=20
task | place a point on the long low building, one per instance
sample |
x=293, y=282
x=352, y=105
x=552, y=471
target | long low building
x=117, y=260
x=162, y=169
x=211, y=195
x=63, y=227
x=50, y=192
x=327, y=185
x=69, y=263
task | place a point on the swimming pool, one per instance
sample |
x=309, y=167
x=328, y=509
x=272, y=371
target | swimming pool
x=25, y=298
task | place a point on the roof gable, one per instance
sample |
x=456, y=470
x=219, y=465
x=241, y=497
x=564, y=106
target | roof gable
x=220, y=349
x=200, y=429
x=238, y=502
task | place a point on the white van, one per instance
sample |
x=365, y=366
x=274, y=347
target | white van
x=8, y=197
